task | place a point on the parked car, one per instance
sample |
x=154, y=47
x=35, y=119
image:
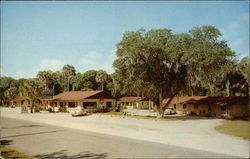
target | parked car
x=79, y=111
x=170, y=111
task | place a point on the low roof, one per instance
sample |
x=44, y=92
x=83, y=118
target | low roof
x=45, y=98
x=18, y=98
x=132, y=99
x=222, y=101
x=77, y=95
x=182, y=99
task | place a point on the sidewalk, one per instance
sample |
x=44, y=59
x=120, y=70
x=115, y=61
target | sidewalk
x=196, y=134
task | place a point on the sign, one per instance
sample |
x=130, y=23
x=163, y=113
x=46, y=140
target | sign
x=101, y=100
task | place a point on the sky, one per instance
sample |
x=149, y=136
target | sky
x=40, y=35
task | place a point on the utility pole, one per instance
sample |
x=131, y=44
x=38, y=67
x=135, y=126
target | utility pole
x=68, y=83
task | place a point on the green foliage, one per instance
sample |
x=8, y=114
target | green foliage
x=5, y=84
x=69, y=70
x=32, y=89
x=85, y=81
x=50, y=110
x=150, y=62
x=209, y=60
x=160, y=64
x=46, y=78
x=98, y=109
x=62, y=109
x=37, y=109
x=10, y=153
x=101, y=77
x=116, y=107
x=11, y=93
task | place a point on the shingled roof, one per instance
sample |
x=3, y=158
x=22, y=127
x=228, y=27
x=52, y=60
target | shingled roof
x=132, y=99
x=222, y=101
x=78, y=95
x=19, y=99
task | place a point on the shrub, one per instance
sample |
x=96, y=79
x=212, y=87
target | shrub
x=98, y=110
x=50, y=110
x=62, y=109
x=117, y=107
x=37, y=109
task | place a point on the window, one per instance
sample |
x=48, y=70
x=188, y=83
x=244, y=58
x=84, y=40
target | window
x=223, y=108
x=184, y=106
x=174, y=106
x=196, y=106
x=109, y=104
x=209, y=109
x=61, y=104
x=87, y=104
x=72, y=104
x=54, y=104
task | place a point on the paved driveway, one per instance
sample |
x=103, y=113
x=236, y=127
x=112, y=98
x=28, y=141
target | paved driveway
x=51, y=142
x=194, y=134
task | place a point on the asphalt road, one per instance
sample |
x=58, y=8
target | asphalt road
x=46, y=141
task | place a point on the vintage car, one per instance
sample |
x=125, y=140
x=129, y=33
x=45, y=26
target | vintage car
x=170, y=111
x=78, y=111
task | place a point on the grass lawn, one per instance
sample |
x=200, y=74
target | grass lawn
x=9, y=153
x=236, y=128
x=134, y=116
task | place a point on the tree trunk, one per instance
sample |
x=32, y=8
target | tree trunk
x=192, y=92
x=32, y=107
x=159, y=112
x=159, y=107
x=102, y=86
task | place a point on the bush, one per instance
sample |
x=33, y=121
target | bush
x=50, y=110
x=62, y=109
x=192, y=114
x=98, y=110
x=117, y=107
x=37, y=109
x=44, y=109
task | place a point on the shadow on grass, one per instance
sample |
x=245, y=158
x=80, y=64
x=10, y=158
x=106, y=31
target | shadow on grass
x=9, y=153
x=63, y=154
x=5, y=142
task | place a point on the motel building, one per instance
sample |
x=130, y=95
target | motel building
x=85, y=99
x=229, y=107
x=134, y=102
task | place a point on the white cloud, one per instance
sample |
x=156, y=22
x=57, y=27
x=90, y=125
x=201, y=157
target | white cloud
x=91, y=60
x=51, y=64
x=47, y=64
x=96, y=60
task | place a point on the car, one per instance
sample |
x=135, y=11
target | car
x=170, y=111
x=79, y=111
